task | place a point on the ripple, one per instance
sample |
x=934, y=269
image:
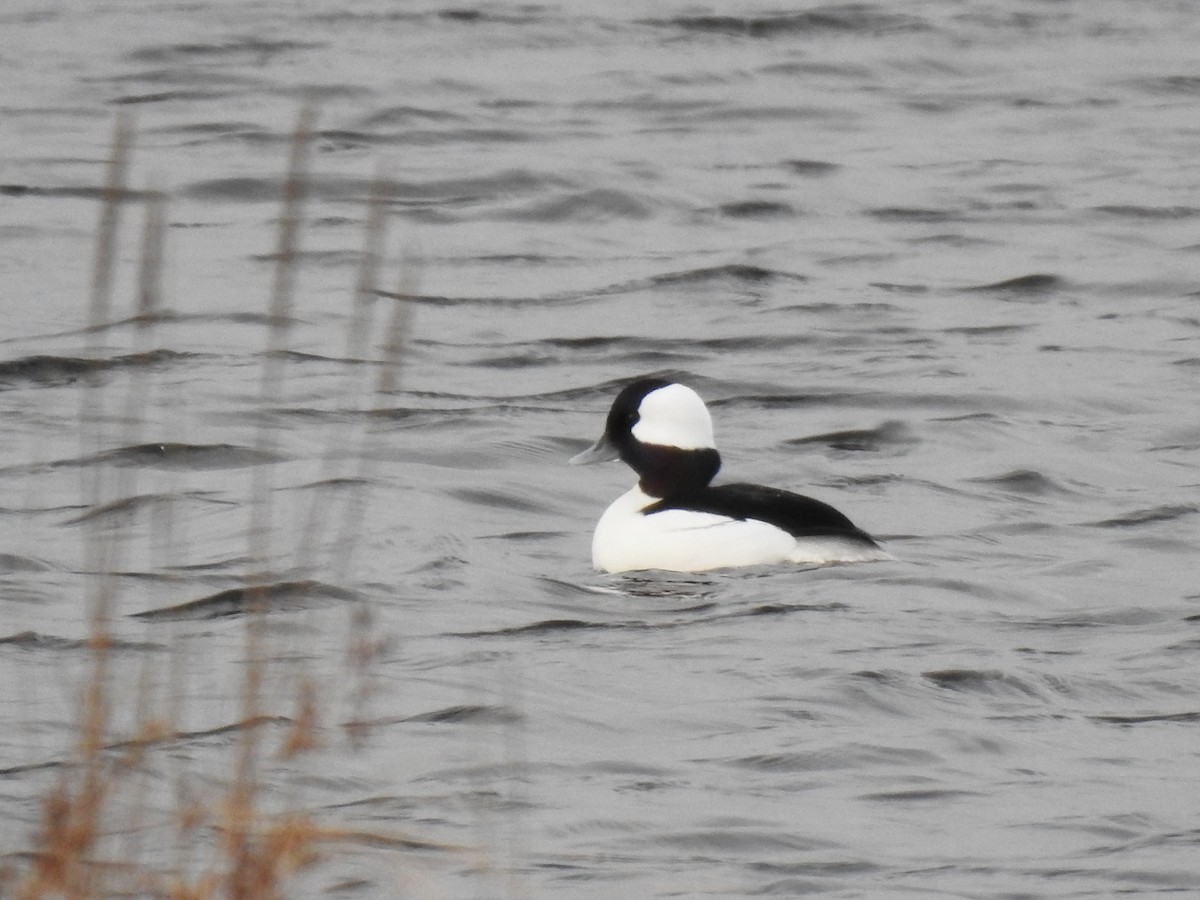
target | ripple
x=1184, y=717
x=921, y=795
x=61, y=370
x=278, y=597
x=128, y=507
x=86, y=192
x=737, y=272
x=1150, y=213
x=1023, y=481
x=853, y=18
x=1172, y=84
x=833, y=759
x=891, y=434
x=756, y=209
x=1037, y=283
x=473, y=189
x=735, y=840
x=12, y=562
x=249, y=49
x=810, y=168
x=585, y=206
x=32, y=640
x=981, y=681
x=167, y=456
x=194, y=95
x=468, y=714
x=396, y=116
x=914, y=214
x=497, y=500
x=1147, y=516
x=731, y=274
x=546, y=626
x=180, y=456
x=987, y=330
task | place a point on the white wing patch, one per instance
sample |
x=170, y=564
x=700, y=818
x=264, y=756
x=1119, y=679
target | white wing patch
x=674, y=416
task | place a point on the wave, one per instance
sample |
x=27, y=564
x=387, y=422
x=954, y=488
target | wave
x=283, y=596
x=350, y=188
x=168, y=455
x=49, y=370
x=1037, y=283
x=1023, y=481
x=1149, y=516
x=889, y=434
x=851, y=18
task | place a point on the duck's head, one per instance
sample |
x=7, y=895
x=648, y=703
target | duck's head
x=663, y=431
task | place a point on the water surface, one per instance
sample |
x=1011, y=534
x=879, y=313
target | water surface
x=936, y=265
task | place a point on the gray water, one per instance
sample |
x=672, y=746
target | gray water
x=935, y=263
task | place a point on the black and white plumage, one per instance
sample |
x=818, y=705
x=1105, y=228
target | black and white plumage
x=675, y=519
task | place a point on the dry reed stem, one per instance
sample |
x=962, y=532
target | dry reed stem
x=71, y=813
x=244, y=876
x=302, y=735
x=395, y=341
x=365, y=289
x=147, y=301
x=363, y=648
x=279, y=326
x=95, y=712
x=367, y=282
x=256, y=854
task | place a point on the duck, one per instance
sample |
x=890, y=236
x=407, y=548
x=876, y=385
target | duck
x=675, y=519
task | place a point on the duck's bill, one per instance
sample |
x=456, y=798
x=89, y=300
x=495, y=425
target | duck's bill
x=601, y=451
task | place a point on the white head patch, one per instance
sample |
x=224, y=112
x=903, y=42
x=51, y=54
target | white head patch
x=674, y=416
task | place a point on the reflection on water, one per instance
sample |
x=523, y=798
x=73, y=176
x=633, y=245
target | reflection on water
x=936, y=266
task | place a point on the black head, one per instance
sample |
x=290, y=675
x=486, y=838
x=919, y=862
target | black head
x=663, y=432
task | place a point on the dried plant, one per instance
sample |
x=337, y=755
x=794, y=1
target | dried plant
x=253, y=853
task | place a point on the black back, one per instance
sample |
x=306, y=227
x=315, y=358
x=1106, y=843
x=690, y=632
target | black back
x=796, y=514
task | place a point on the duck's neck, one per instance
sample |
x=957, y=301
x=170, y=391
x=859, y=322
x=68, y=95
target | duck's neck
x=665, y=471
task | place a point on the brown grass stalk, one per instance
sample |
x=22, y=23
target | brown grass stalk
x=71, y=814
x=244, y=880
x=366, y=286
x=254, y=854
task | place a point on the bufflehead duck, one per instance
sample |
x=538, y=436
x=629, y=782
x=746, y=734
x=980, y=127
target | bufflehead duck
x=674, y=519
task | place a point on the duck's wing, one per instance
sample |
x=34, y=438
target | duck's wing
x=796, y=514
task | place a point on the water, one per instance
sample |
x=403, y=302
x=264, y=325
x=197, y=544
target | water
x=935, y=264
